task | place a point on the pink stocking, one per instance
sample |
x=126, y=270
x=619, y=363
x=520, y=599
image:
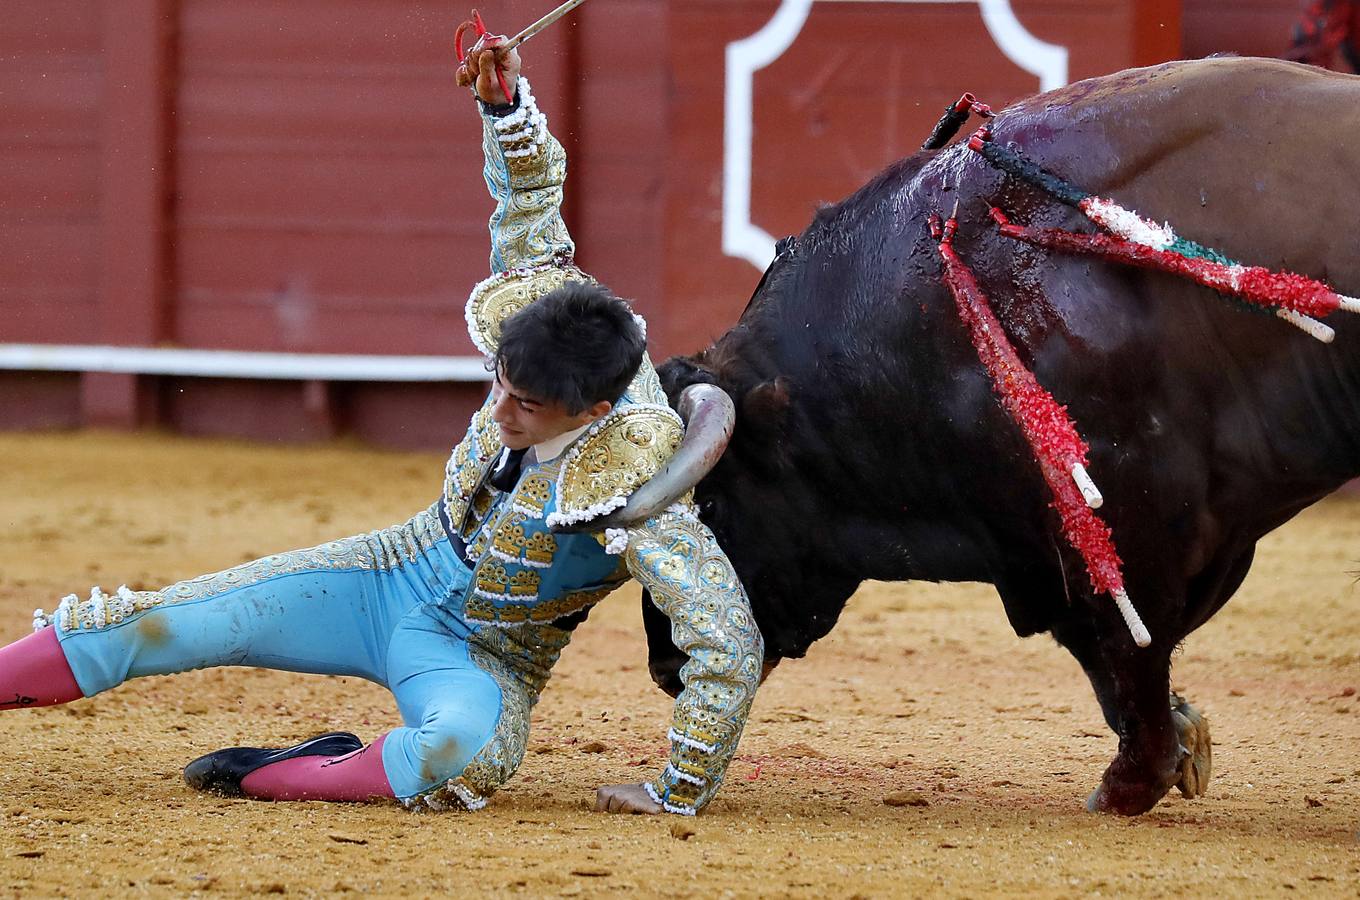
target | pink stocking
x=34, y=672
x=354, y=777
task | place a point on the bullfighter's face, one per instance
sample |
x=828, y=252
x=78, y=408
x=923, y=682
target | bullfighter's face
x=525, y=420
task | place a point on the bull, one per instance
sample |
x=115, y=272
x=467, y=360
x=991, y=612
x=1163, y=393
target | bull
x=869, y=443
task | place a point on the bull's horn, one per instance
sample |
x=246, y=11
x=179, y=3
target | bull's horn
x=709, y=418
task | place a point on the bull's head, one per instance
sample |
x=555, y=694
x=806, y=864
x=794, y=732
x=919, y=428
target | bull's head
x=814, y=371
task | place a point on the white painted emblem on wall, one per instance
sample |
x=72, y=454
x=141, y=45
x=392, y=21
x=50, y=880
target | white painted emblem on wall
x=741, y=237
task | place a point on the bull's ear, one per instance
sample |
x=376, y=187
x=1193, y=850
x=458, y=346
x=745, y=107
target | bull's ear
x=679, y=372
x=765, y=407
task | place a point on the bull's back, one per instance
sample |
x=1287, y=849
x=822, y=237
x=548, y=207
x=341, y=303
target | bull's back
x=1254, y=156
x=1198, y=403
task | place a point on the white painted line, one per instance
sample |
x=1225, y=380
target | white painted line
x=1048, y=61
x=240, y=364
x=740, y=237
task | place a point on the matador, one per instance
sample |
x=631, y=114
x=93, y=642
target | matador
x=462, y=611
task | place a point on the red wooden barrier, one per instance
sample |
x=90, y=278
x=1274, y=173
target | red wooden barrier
x=305, y=176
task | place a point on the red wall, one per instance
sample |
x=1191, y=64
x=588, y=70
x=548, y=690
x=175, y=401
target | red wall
x=862, y=86
x=328, y=176
x=1244, y=27
x=305, y=176
x=50, y=66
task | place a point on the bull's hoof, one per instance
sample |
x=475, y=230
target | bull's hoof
x=1131, y=790
x=1197, y=760
x=1127, y=800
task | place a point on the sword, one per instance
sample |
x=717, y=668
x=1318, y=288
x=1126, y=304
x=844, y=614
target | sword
x=540, y=25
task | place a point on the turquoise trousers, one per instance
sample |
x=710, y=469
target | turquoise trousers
x=385, y=606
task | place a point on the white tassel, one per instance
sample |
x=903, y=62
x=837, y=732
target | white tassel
x=1131, y=619
x=673, y=772
x=467, y=797
x=1089, y=492
x=678, y=738
x=616, y=541
x=1312, y=327
x=1128, y=224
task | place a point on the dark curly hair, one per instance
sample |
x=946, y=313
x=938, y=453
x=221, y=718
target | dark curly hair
x=576, y=345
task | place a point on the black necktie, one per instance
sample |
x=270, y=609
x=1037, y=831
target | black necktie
x=506, y=474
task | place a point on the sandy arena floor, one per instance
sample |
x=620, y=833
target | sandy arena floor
x=922, y=692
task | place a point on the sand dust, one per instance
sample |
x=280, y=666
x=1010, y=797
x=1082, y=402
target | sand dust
x=921, y=749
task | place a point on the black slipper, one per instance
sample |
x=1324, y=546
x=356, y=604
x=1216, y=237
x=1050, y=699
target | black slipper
x=221, y=772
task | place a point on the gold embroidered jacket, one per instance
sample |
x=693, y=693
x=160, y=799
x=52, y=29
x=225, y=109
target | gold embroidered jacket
x=526, y=578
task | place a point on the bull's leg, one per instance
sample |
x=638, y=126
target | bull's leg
x=1207, y=593
x=1133, y=687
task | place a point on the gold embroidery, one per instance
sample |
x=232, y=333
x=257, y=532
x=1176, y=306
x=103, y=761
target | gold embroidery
x=500, y=758
x=646, y=385
x=466, y=464
x=479, y=609
x=492, y=577
x=540, y=548
x=506, y=293
x=568, y=604
x=533, y=493
x=525, y=169
x=477, y=549
x=502, y=754
x=524, y=584
x=541, y=613
x=613, y=459
x=690, y=579
x=509, y=538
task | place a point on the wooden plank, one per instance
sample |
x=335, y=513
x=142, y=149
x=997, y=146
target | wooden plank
x=410, y=417
x=618, y=180
x=49, y=316
x=46, y=184
x=330, y=174
x=314, y=266
x=375, y=192
x=135, y=251
x=33, y=400
x=361, y=329
x=47, y=98
x=37, y=30
x=49, y=169
x=274, y=411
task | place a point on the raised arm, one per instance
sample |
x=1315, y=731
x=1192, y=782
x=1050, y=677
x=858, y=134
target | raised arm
x=690, y=579
x=525, y=167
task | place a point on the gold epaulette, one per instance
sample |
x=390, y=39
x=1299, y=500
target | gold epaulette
x=506, y=293
x=619, y=454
